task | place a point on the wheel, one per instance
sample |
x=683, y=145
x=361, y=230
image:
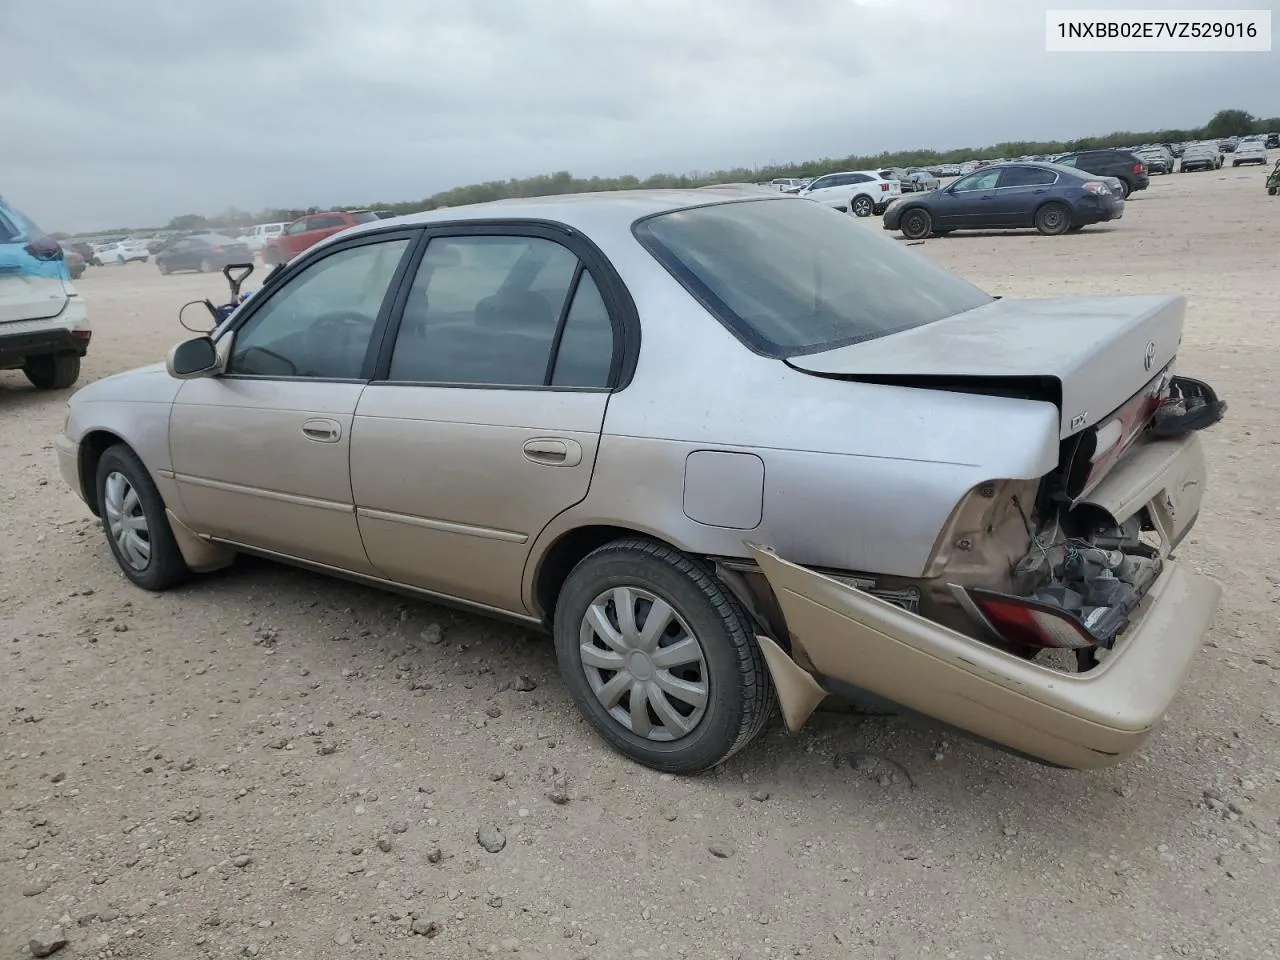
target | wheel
x=52, y=371
x=1272, y=191
x=861, y=206
x=120, y=259
x=162, y=267
x=1053, y=219
x=134, y=520
x=1235, y=163
x=1125, y=189
x=206, y=265
x=660, y=658
x=916, y=224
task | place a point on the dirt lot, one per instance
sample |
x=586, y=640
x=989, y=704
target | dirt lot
x=269, y=763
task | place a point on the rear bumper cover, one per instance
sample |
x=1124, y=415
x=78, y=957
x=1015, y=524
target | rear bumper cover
x=843, y=638
x=16, y=347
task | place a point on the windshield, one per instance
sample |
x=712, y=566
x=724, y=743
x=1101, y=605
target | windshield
x=791, y=276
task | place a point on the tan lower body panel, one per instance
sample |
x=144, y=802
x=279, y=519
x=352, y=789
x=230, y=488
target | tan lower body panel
x=1073, y=720
x=200, y=555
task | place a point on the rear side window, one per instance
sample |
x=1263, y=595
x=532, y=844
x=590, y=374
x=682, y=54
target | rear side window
x=791, y=277
x=503, y=311
x=1026, y=177
x=365, y=217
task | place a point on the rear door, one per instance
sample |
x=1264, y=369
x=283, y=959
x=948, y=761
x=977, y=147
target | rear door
x=31, y=270
x=295, y=238
x=489, y=401
x=1019, y=191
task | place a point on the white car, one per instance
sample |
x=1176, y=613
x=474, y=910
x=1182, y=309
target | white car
x=1249, y=151
x=860, y=192
x=121, y=252
x=256, y=237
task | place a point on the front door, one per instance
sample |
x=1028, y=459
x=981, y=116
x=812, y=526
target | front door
x=483, y=422
x=970, y=202
x=261, y=453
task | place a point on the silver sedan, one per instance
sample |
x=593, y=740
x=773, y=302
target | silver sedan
x=733, y=451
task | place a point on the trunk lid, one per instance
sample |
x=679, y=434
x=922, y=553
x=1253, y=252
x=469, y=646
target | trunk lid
x=1088, y=354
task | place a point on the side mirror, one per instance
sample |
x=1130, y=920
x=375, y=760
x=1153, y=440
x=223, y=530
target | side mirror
x=197, y=357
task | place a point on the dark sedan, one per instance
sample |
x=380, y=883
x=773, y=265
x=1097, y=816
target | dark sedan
x=1052, y=198
x=205, y=252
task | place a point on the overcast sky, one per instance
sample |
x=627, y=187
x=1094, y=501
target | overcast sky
x=134, y=111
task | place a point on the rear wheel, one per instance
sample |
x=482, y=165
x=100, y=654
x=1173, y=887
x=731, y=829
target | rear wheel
x=52, y=371
x=206, y=265
x=660, y=658
x=916, y=224
x=1125, y=189
x=162, y=267
x=1053, y=219
x=861, y=206
x=134, y=520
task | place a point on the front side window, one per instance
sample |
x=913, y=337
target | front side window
x=984, y=180
x=298, y=226
x=486, y=310
x=319, y=322
x=1068, y=161
x=790, y=277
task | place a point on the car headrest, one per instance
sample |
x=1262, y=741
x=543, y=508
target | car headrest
x=521, y=310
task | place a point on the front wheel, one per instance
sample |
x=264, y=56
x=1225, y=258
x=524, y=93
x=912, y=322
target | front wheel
x=861, y=206
x=916, y=224
x=134, y=520
x=52, y=371
x=660, y=657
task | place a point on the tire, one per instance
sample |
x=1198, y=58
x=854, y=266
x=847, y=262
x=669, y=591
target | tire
x=206, y=265
x=1125, y=188
x=120, y=260
x=1272, y=191
x=916, y=224
x=164, y=270
x=52, y=371
x=728, y=666
x=1235, y=163
x=1053, y=219
x=861, y=206
x=163, y=566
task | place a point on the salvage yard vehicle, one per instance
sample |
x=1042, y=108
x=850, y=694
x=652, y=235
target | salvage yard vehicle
x=1006, y=196
x=1250, y=151
x=44, y=325
x=860, y=192
x=1201, y=156
x=309, y=230
x=731, y=450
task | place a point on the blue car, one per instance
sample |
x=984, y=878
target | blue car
x=44, y=326
x=1050, y=197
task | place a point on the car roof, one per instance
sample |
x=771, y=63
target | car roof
x=606, y=210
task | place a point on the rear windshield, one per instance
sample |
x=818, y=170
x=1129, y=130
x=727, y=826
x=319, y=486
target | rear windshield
x=791, y=276
x=365, y=217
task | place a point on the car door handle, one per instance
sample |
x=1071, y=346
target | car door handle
x=322, y=430
x=553, y=451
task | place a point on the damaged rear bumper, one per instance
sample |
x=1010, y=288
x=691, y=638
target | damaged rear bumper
x=846, y=641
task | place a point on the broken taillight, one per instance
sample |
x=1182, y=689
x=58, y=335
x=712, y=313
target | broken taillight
x=1030, y=623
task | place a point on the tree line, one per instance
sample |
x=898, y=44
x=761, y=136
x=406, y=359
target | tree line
x=1224, y=123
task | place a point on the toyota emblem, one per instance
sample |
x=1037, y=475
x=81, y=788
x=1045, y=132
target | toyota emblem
x=1150, y=357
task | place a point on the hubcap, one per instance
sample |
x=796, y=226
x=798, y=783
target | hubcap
x=644, y=664
x=126, y=521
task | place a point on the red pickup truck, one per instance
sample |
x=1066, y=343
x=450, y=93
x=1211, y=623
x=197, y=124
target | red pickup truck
x=309, y=230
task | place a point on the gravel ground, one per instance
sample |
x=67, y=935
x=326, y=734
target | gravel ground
x=270, y=763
